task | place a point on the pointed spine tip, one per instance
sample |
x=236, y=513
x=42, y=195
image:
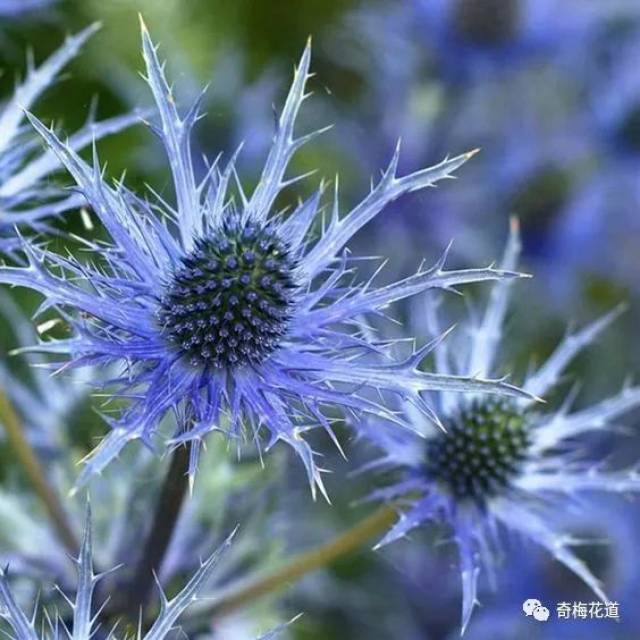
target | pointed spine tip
x=472, y=153
x=619, y=309
x=143, y=26
x=80, y=38
x=94, y=27
x=191, y=485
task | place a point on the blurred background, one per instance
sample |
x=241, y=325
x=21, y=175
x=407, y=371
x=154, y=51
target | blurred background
x=549, y=91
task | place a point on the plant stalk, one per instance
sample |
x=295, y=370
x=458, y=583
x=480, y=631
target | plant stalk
x=251, y=589
x=35, y=472
x=163, y=524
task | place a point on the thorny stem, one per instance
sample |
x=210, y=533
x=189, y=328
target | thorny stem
x=163, y=525
x=33, y=468
x=249, y=590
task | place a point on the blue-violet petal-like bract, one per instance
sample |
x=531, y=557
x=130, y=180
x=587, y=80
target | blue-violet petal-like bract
x=84, y=621
x=27, y=196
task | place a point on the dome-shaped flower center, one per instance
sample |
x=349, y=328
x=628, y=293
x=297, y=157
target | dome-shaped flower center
x=482, y=450
x=229, y=302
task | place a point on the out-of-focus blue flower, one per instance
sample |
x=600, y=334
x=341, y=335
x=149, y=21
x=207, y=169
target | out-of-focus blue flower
x=601, y=214
x=470, y=40
x=501, y=464
x=552, y=104
x=226, y=311
x=614, y=99
x=27, y=196
x=601, y=211
x=19, y=8
x=86, y=614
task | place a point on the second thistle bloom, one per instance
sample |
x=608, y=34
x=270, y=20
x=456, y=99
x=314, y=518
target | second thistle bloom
x=231, y=314
x=502, y=465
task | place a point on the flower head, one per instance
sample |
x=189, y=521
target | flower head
x=501, y=463
x=85, y=613
x=229, y=313
x=26, y=195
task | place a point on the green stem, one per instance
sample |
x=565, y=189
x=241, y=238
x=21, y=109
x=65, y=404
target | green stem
x=163, y=525
x=251, y=589
x=29, y=460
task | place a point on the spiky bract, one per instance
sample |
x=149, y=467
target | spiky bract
x=86, y=615
x=27, y=196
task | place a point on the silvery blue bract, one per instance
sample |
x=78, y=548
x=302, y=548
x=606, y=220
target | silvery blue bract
x=27, y=197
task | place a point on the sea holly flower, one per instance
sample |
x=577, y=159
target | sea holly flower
x=27, y=196
x=501, y=464
x=86, y=615
x=226, y=312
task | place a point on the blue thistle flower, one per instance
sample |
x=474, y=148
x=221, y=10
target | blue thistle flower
x=86, y=615
x=230, y=313
x=602, y=208
x=500, y=464
x=26, y=195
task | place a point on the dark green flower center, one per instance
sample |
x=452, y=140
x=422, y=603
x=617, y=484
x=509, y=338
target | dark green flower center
x=482, y=450
x=230, y=301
